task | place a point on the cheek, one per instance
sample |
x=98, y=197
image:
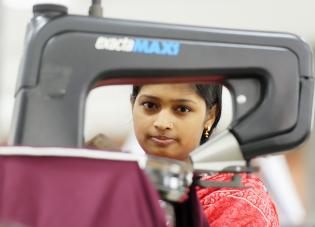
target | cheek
x=139, y=124
x=191, y=136
x=193, y=139
x=189, y=142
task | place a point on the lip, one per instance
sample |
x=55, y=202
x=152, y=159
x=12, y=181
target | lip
x=162, y=140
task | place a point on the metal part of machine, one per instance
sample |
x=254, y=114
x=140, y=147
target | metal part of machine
x=172, y=179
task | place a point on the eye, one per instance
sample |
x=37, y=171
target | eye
x=149, y=105
x=183, y=109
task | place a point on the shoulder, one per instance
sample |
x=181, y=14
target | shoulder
x=249, y=205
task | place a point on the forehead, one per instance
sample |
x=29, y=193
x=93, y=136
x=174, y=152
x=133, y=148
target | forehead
x=170, y=90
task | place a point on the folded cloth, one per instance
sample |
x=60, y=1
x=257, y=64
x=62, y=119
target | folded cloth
x=81, y=192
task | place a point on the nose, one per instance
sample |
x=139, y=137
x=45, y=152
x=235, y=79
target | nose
x=163, y=121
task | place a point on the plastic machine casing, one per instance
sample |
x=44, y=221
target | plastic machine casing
x=62, y=62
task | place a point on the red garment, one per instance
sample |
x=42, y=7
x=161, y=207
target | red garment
x=250, y=206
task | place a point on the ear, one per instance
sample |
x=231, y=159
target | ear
x=210, y=118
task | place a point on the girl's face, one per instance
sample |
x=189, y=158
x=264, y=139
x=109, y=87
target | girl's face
x=169, y=119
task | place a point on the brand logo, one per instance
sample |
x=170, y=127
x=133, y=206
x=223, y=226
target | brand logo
x=143, y=46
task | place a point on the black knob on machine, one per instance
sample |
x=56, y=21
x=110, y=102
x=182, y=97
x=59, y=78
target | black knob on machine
x=50, y=10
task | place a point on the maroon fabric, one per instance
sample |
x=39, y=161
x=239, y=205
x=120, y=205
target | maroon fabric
x=64, y=192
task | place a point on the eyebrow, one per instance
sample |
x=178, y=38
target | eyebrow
x=183, y=100
x=149, y=96
x=172, y=100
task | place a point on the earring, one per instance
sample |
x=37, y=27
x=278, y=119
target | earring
x=207, y=132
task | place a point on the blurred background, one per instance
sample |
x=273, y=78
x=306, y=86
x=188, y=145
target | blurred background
x=288, y=176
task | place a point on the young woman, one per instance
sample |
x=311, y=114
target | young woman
x=171, y=120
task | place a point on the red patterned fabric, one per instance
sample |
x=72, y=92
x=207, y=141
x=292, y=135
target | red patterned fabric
x=250, y=206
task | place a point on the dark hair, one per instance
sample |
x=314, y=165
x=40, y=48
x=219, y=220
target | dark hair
x=211, y=93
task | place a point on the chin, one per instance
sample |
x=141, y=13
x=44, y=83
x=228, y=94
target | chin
x=162, y=153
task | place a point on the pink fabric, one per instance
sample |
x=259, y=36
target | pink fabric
x=250, y=206
x=66, y=192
